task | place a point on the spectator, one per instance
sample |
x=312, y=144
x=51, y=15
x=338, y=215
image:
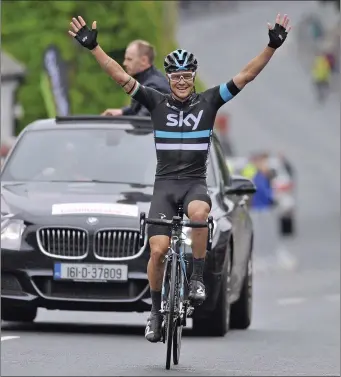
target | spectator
x=263, y=198
x=138, y=62
x=266, y=239
x=321, y=72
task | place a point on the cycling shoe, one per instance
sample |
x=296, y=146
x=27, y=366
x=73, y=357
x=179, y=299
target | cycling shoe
x=153, y=331
x=197, y=292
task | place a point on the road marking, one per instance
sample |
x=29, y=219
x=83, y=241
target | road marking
x=290, y=301
x=9, y=337
x=334, y=298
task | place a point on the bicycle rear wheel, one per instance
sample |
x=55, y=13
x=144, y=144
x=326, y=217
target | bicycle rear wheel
x=171, y=316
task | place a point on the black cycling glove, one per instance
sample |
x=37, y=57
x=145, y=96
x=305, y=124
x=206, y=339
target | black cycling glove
x=277, y=36
x=87, y=37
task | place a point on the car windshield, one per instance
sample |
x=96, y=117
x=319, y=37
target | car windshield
x=107, y=155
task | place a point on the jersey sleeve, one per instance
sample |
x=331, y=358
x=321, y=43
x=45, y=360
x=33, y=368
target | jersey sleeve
x=221, y=94
x=148, y=97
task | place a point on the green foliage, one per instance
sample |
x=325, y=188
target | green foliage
x=28, y=27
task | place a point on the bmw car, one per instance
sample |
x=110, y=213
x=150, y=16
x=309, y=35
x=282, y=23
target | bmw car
x=72, y=190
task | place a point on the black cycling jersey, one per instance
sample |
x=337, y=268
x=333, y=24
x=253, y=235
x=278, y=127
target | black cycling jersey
x=183, y=130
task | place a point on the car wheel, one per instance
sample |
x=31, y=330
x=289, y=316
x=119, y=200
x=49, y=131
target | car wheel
x=241, y=310
x=217, y=322
x=287, y=226
x=18, y=314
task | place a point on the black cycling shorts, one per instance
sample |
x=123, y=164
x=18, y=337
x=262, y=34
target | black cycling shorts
x=169, y=193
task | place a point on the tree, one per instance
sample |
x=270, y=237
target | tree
x=28, y=27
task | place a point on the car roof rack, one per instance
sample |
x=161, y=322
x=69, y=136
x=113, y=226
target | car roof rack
x=135, y=121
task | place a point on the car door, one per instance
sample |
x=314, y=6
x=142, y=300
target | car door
x=237, y=215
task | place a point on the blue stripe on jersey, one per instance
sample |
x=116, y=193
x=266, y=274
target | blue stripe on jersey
x=182, y=135
x=225, y=94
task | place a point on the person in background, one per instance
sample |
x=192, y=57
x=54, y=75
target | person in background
x=321, y=73
x=266, y=240
x=264, y=197
x=249, y=170
x=138, y=62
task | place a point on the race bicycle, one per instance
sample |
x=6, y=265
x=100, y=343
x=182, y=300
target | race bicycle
x=175, y=305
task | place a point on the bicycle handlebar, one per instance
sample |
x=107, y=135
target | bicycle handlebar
x=184, y=223
x=176, y=222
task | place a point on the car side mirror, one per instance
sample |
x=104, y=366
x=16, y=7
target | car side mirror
x=240, y=186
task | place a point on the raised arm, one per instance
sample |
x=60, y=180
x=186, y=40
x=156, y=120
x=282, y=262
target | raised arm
x=88, y=39
x=277, y=35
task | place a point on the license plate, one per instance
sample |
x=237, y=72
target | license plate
x=90, y=272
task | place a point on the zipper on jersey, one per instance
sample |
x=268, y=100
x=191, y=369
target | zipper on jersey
x=180, y=150
x=181, y=140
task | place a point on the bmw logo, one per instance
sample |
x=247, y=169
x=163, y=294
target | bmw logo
x=92, y=220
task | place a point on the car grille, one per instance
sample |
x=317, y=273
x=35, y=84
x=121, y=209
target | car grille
x=63, y=242
x=111, y=244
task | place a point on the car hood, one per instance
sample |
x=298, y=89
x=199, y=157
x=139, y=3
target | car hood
x=44, y=199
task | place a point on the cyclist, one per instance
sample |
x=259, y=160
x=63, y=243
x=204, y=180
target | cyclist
x=183, y=122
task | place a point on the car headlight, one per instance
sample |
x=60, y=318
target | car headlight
x=11, y=233
x=187, y=234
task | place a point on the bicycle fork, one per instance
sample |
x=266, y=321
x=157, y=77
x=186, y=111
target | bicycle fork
x=188, y=309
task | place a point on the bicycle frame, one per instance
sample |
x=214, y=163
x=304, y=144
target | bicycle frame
x=174, y=251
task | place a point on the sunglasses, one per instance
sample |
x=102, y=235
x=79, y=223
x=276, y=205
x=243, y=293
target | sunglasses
x=176, y=77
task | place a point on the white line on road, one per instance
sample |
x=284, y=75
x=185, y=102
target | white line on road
x=290, y=301
x=9, y=337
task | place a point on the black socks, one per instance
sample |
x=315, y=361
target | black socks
x=156, y=301
x=198, y=269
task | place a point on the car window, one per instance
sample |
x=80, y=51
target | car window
x=223, y=169
x=85, y=154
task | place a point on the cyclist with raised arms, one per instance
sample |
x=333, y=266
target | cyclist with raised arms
x=183, y=123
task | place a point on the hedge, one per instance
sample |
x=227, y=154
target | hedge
x=28, y=27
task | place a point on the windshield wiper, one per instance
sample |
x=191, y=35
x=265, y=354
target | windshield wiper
x=76, y=181
x=134, y=184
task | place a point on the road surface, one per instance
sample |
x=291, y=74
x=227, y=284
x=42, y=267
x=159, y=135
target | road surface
x=296, y=321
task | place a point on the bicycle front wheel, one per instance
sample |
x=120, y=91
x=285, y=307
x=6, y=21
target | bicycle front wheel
x=171, y=316
x=177, y=333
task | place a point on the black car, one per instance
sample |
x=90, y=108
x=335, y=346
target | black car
x=72, y=190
